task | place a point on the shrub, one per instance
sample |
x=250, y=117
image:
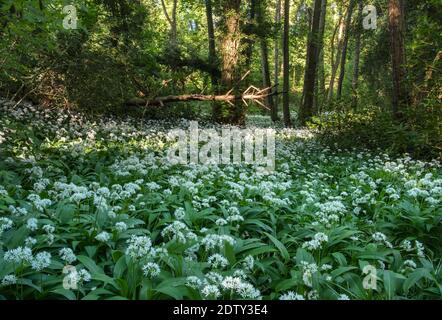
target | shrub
x=419, y=134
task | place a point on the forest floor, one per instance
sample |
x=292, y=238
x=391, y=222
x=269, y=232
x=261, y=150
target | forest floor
x=91, y=209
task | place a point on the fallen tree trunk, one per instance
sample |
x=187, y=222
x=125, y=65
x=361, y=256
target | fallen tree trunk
x=250, y=95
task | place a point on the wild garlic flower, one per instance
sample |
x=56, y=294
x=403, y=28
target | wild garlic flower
x=212, y=241
x=5, y=224
x=41, y=261
x=9, y=280
x=84, y=276
x=180, y=213
x=178, y=231
x=151, y=270
x=210, y=291
x=291, y=295
x=410, y=264
x=221, y=222
x=309, y=269
x=103, y=236
x=217, y=261
x=382, y=238
x=32, y=224
x=67, y=255
x=420, y=249
x=316, y=243
x=121, y=226
x=30, y=241
x=249, y=262
x=193, y=282
x=18, y=255
x=138, y=247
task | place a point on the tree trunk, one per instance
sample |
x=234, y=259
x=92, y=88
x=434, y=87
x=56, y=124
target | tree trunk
x=277, y=60
x=286, y=68
x=249, y=95
x=172, y=21
x=335, y=62
x=319, y=82
x=355, y=80
x=216, y=108
x=230, y=49
x=265, y=60
x=345, y=48
x=250, y=42
x=306, y=110
x=396, y=27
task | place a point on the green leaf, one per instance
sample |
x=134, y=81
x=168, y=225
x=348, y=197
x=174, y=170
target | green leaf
x=286, y=284
x=337, y=272
x=90, y=265
x=415, y=277
x=282, y=249
x=68, y=294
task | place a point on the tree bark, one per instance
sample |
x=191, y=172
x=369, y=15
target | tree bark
x=345, y=48
x=319, y=81
x=396, y=27
x=230, y=49
x=216, y=108
x=252, y=96
x=250, y=41
x=286, y=68
x=335, y=61
x=265, y=60
x=277, y=60
x=306, y=110
x=172, y=21
x=355, y=80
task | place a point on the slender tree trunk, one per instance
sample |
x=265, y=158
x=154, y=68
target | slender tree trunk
x=265, y=59
x=172, y=21
x=355, y=80
x=286, y=68
x=306, y=110
x=277, y=60
x=336, y=61
x=397, y=32
x=216, y=107
x=320, y=57
x=250, y=41
x=345, y=48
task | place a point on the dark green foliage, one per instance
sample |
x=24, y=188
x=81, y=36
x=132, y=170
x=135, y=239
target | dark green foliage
x=373, y=128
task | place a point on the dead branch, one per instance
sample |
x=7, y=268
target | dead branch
x=251, y=94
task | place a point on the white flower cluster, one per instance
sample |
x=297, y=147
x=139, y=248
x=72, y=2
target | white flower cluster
x=18, y=255
x=217, y=261
x=151, y=270
x=139, y=247
x=214, y=241
x=382, y=238
x=9, y=280
x=178, y=231
x=67, y=255
x=316, y=243
x=40, y=204
x=291, y=295
x=309, y=269
x=5, y=224
x=41, y=261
